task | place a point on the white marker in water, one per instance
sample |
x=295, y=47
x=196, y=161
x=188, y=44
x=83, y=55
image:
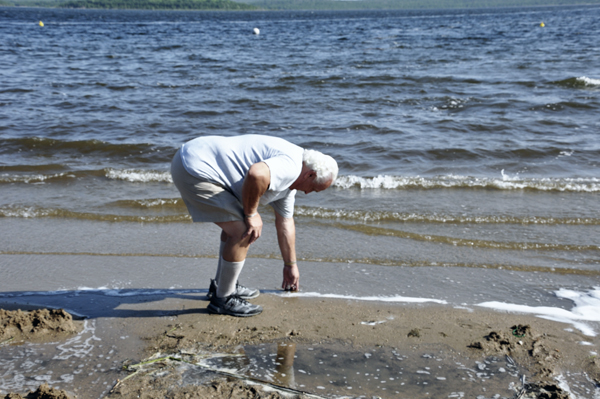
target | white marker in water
x=256, y=31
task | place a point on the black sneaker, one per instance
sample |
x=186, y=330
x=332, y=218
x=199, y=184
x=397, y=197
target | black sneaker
x=233, y=306
x=240, y=290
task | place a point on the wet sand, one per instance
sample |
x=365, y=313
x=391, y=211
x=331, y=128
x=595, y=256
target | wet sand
x=348, y=348
x=35, y=325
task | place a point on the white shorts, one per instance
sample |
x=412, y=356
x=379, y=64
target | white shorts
x=206, y=201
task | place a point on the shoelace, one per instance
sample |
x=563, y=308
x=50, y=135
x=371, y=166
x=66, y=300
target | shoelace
x=238, y=286
x=236, y=299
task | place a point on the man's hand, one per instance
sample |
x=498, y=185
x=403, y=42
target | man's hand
x=254, y=226
x=291, y=278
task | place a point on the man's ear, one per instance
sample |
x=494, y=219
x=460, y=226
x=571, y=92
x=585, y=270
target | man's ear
x=308, y=174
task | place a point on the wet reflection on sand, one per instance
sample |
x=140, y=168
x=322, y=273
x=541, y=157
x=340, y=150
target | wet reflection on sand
x=284, y=366
x=334, y=369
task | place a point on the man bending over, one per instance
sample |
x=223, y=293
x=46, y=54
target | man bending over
x=223, y=180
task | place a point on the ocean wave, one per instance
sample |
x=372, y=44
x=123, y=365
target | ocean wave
x=138, y=175
x=178, y=213
x=505, y=182
x=129, y=175
x=51, y=167
x=580, y=82
x=461, y=242
x=35, y=212
x=36, y=178
x=588, y=81
x=150, y=203
x=53, y=148
x=386, y=216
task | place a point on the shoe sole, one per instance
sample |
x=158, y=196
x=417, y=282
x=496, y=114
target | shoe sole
x=250, y=297
x=209, y=295
x=215, y=310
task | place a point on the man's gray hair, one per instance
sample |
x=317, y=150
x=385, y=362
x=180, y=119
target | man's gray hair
x=325, y=166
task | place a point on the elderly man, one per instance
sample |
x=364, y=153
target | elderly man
x=224, y=179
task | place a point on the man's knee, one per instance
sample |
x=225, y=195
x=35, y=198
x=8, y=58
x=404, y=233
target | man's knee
x=232, y=230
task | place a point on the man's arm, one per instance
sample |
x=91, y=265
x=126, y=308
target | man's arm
x=255, y=184
x=286, y=236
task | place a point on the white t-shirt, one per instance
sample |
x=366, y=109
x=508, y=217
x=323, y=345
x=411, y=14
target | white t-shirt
x=226, y=160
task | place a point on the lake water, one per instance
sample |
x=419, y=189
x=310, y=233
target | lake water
x=468, y=145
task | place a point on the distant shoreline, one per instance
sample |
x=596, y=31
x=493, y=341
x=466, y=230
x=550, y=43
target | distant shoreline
x=48, y=5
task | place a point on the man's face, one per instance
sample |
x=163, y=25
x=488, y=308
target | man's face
x=309, y=185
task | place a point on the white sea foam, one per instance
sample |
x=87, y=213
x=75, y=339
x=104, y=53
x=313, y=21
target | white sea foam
x=28, y=212
x=564, y=385
x=138, y=175
x=504, y=182
x=395, y=298
x=387, y=182
x=586, y=309
x=149, y=203
x=589, y=81
x=37, y=178
x=81, y=345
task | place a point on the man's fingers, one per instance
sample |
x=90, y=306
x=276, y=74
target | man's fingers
x=291, y=284
x=247, y=233
x=254, y=235
x=253, y=238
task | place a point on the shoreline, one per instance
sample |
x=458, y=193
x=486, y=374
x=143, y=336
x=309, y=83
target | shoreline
x=470, y=348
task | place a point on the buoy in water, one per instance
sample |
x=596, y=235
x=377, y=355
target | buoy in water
x=41, y=23
x=256, y=31
x=542, y=24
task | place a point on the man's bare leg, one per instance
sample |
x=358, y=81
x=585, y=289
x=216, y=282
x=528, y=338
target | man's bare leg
x=233, y=258
x=236, y=248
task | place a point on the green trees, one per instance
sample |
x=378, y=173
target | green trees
x=158, y=4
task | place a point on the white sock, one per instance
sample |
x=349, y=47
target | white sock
x=230, y=271
x=218, y=275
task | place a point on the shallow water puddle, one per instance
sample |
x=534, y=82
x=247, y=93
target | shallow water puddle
x=82, y=365
x=337, y=370
x=86, y=365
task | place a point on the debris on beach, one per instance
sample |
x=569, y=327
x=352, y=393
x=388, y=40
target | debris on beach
x=542, y=390
x=372, y=322
x=523, y=345
x=531, y=349
x=154, y=375
x=414, y=333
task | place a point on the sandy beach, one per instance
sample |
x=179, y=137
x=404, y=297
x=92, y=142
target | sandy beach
x=331, y=348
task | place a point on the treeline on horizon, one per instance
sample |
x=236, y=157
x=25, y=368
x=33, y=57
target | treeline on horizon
x=289, y=4
x=158, y=4
x=225, y=5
